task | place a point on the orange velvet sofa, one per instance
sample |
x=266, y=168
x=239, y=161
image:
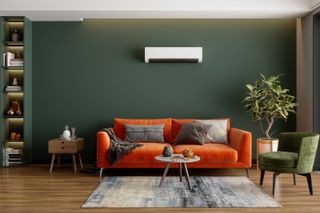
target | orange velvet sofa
x=235, y=154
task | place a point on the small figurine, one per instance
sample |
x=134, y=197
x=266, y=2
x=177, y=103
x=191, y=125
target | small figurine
x=15, y=81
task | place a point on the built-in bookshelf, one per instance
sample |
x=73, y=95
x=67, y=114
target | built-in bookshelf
x=16, y=94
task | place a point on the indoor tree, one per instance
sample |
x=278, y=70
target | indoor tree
x=266, y=100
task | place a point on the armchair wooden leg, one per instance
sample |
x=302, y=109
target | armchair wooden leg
x=275, y=174
x=308, y=176
x=247, y=171
x=294, y=179
x=261, y=177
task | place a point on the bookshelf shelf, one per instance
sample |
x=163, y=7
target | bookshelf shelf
x=16, y=84
x=12, y=116
x=13, y=67
x=12, y=43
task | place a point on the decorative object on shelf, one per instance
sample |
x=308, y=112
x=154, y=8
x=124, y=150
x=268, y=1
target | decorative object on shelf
x=13, y=136
x=18, y=137
x=15, y=36
x=10, y=111
x=167, y=151
x=15, y=108
x=73, y=133
x=66, y=133
x=187, y=153
x=15, y=81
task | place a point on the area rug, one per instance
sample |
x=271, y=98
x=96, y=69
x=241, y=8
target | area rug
x=206, y=192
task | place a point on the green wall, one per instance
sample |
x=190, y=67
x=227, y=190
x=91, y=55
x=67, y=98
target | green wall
x=87, y=73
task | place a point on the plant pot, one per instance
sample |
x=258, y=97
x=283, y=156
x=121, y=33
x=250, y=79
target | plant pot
x=266, y=145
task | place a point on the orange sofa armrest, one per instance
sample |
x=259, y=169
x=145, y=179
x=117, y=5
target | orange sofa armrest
x=103, y=144
x=242, y=142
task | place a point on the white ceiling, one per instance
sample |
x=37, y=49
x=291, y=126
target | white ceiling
x=75, y=10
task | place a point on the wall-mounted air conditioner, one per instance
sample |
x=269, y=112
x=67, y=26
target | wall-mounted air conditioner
x=173, y=54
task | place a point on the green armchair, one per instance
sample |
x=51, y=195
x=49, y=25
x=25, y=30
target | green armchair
x=296, y=154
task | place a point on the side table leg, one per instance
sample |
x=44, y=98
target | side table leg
x=180, y=171
x=80, y=160
x=58, y=161
x=74, y=163
x=164, y=174
x=52, y=162
x=187, y=175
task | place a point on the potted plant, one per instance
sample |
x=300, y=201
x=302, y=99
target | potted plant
x=267, y=101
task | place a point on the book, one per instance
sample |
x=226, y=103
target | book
x=9, y=57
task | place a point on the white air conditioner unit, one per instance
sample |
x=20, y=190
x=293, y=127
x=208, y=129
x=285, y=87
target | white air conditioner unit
x=173, y=54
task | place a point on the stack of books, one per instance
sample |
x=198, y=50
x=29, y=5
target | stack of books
x=9, y=60
x=12, y=156
x=13, y=88
x=16, y=63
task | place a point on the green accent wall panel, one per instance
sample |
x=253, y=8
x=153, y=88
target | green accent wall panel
x=86, y=73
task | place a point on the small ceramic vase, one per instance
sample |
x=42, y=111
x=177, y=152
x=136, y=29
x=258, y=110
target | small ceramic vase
x=66, y=133
x=15, y=35
x=18, y=137
x=167, y=151
x=13, y=136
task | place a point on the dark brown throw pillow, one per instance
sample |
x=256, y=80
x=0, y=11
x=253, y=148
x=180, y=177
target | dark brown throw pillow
x=192, y=133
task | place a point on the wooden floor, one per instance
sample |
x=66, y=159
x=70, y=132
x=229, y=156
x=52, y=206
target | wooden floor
x=32, y=189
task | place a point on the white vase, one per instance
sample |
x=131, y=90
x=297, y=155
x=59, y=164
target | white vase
x=66, y=134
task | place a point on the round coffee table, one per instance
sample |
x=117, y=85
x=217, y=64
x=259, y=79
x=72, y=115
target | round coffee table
x=182, y=161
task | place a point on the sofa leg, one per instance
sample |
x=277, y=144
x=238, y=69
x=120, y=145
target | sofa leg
x=275, y=174
x=101, y=171
x=247, y=172
x=294, y=179
x=261, y=177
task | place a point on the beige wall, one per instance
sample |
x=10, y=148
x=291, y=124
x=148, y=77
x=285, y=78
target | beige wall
x=305, y=112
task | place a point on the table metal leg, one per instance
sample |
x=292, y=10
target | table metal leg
x=180, y=171
x=74, y=163
x=52, y=162
x=164, y=174
x=80, y=160
x=187, y=175
x=58, y=160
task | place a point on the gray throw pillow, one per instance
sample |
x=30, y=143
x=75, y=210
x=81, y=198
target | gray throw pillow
x=192, y=133
x=218, y=130
x=138, y=133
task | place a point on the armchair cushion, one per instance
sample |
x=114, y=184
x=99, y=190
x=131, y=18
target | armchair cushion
x=278, y=159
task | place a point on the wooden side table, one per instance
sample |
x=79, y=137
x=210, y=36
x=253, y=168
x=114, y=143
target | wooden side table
x=73, y=147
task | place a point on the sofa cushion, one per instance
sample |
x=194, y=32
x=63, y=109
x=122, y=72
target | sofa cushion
x=192, y=133
x=136, y=133
x=145, y=153
x=211, y=152
x=217, y=133
x=278, y=159
x=119, y=128
x=177, y=123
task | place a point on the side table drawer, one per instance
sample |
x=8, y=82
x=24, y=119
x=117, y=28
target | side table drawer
x=62, y=149
x=61, y=146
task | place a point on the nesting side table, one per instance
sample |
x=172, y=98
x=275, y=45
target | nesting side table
x=73, y=147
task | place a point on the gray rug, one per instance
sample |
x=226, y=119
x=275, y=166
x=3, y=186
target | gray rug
x=207, y=192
